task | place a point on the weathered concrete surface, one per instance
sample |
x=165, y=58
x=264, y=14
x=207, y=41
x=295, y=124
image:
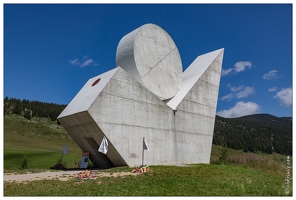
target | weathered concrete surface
x=196, y=69
x=150, y=55
x=125, y=112
x=196, y=111
x=119, y=106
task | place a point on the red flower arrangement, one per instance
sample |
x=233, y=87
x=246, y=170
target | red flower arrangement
x=87, y=175
x=141, y=170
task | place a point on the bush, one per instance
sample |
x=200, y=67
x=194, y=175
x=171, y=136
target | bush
x=24, y=164
x=223, y=158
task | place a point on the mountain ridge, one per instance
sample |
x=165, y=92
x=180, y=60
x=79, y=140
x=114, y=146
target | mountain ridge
x=259, y=132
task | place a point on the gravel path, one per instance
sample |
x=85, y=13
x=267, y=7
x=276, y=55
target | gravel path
x=60, y=175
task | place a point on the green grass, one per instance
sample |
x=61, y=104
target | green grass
x=36, y=134
x=36, y=159
x=41, y=141
x=194, y=180
x=271, y=163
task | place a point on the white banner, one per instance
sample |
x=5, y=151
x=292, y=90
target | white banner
x=145, y=145
x=104, y=146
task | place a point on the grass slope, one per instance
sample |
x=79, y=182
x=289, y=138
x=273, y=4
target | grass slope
x=41, y=141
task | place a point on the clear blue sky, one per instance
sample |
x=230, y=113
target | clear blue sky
x=51, y=50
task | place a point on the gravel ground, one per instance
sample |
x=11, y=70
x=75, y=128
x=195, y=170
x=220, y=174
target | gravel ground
x=60, y=175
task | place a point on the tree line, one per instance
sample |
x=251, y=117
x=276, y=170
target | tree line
x=30, y=109
x=261, y=132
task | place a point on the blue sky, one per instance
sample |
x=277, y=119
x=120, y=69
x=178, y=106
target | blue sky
x=51, y=50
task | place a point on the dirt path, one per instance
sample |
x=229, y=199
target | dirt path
x=59, y=175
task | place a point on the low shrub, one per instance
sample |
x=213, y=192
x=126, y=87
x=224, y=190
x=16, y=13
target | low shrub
x=24, y=164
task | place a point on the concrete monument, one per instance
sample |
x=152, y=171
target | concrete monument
x=147, y=95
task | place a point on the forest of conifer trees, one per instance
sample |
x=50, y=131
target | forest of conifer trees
x=255, y=133
x=31, y=109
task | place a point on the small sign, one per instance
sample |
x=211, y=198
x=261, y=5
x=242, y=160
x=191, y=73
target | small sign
x=65, y=150
x=84, y=160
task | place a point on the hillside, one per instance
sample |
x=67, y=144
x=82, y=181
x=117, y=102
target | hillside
x=260, y=132
x=38, y=139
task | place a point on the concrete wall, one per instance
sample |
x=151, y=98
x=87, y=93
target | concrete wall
x=126, y=112
x=196, y=115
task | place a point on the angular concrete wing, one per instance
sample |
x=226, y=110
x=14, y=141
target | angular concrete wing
x=192, y=74
x=195, y=107
x=87, y=95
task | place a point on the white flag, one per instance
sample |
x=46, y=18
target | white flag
x=145, y=145
x=104, y=146
x=65, y=150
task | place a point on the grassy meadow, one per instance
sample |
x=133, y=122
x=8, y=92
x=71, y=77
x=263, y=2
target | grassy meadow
x=40, y=140
x=231, y=172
